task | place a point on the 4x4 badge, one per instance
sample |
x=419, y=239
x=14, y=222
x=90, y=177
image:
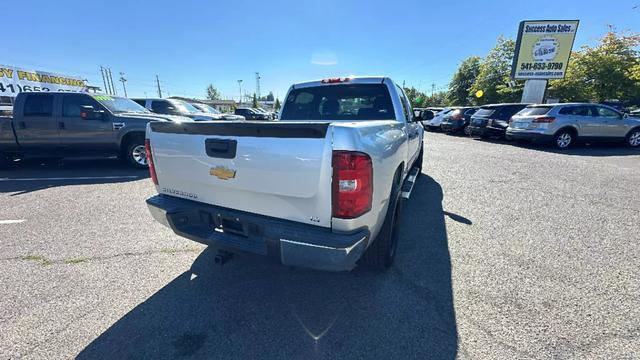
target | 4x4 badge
x=222, y=172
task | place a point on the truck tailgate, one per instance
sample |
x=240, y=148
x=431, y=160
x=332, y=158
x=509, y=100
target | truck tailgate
x=281, y=170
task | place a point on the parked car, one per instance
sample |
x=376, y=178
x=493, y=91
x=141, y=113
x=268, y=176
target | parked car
x=458, y=120
x=252, y=114
x=176, y=107
x=564, y=124
x=271, y=115
x=62, y=124
x=205, y=108
x=321, y=188
x=434, y=124
x=492, y=120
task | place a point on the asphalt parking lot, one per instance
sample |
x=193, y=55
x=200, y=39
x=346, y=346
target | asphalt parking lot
x=506, y=252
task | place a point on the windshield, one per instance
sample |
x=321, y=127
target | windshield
x=207, y=108
x=120, y=105
x=339, y=102
x=211, y=109
x=184, y=107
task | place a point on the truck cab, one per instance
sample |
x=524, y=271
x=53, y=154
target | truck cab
x=66, y=124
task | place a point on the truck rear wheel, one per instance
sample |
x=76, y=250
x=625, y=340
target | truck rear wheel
x=382, y=251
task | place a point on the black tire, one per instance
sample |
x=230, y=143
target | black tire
x=134, y=153
x=633, y=138
x=563, y=139
x=381, y=253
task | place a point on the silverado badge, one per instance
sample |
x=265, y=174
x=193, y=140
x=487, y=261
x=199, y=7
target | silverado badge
x=222, y=172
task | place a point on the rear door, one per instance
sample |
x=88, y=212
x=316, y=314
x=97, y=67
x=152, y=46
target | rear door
x=612, y=122
x=37, y=126
x=589, y=121
x=79, y=135
x=413, y=128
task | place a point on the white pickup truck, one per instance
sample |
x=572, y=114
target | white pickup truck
x=320, y=188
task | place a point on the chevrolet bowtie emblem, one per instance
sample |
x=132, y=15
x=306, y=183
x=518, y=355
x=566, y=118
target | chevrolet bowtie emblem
x=222, y=173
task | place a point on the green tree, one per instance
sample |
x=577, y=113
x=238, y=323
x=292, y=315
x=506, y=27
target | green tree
x=416, y=97
x=462, y=81
x=494, y=73
x=608, y=70
x=277, y=104
x=254, y=102
x=212, y=93
x=438, y=99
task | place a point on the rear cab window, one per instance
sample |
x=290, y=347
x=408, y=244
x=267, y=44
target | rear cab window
x=349, y=102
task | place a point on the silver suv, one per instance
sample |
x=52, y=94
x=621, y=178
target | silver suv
x=564, y=124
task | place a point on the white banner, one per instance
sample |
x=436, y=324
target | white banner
x=14, y=80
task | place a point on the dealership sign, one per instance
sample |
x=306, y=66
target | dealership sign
x=543, y=49
x=14, y=80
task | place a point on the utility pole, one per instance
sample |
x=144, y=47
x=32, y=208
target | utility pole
x=433, y=89
x=158, y=83
x=240, y=87
x=113, y=87
x=123, y=80
x=104, y=80
x=258, y=85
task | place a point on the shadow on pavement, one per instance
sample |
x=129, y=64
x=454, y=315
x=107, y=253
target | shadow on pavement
x=30, y=175
x=579, y=149
x=254, y=308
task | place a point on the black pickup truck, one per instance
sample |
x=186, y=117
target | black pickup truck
x=63, y=124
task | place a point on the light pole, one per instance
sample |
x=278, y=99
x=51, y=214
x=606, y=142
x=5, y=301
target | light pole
x=240, y=87
x=123, y=81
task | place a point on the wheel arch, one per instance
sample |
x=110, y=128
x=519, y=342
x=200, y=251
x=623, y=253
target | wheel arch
x=635, y=128
x=129, y=136
x=569, y=128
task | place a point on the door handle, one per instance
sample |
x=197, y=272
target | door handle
x=61, y=125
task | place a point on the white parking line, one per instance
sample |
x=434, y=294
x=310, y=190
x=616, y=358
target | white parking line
x=5, y=222
x=72, y=178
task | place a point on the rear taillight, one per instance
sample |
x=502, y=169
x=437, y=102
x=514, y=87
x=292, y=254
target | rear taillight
x=352, y=188
x=152, y=168
x=544, y=119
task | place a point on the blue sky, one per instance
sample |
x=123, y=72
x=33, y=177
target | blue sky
x=190, y=44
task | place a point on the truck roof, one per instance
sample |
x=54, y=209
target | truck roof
x=342, y=80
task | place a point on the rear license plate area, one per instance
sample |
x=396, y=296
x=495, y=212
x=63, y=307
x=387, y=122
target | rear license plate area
x=229, y=225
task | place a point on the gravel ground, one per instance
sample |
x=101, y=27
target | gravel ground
x=506, y=252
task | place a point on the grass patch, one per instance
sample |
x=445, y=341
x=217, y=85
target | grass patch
x=33, y=258
x=168, y=250
x=75, y=260
x=46, y=262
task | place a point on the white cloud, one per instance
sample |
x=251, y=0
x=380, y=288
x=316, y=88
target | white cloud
x=324, y=58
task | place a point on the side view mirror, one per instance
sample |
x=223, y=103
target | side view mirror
x=426, y=115
x=87, y=112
